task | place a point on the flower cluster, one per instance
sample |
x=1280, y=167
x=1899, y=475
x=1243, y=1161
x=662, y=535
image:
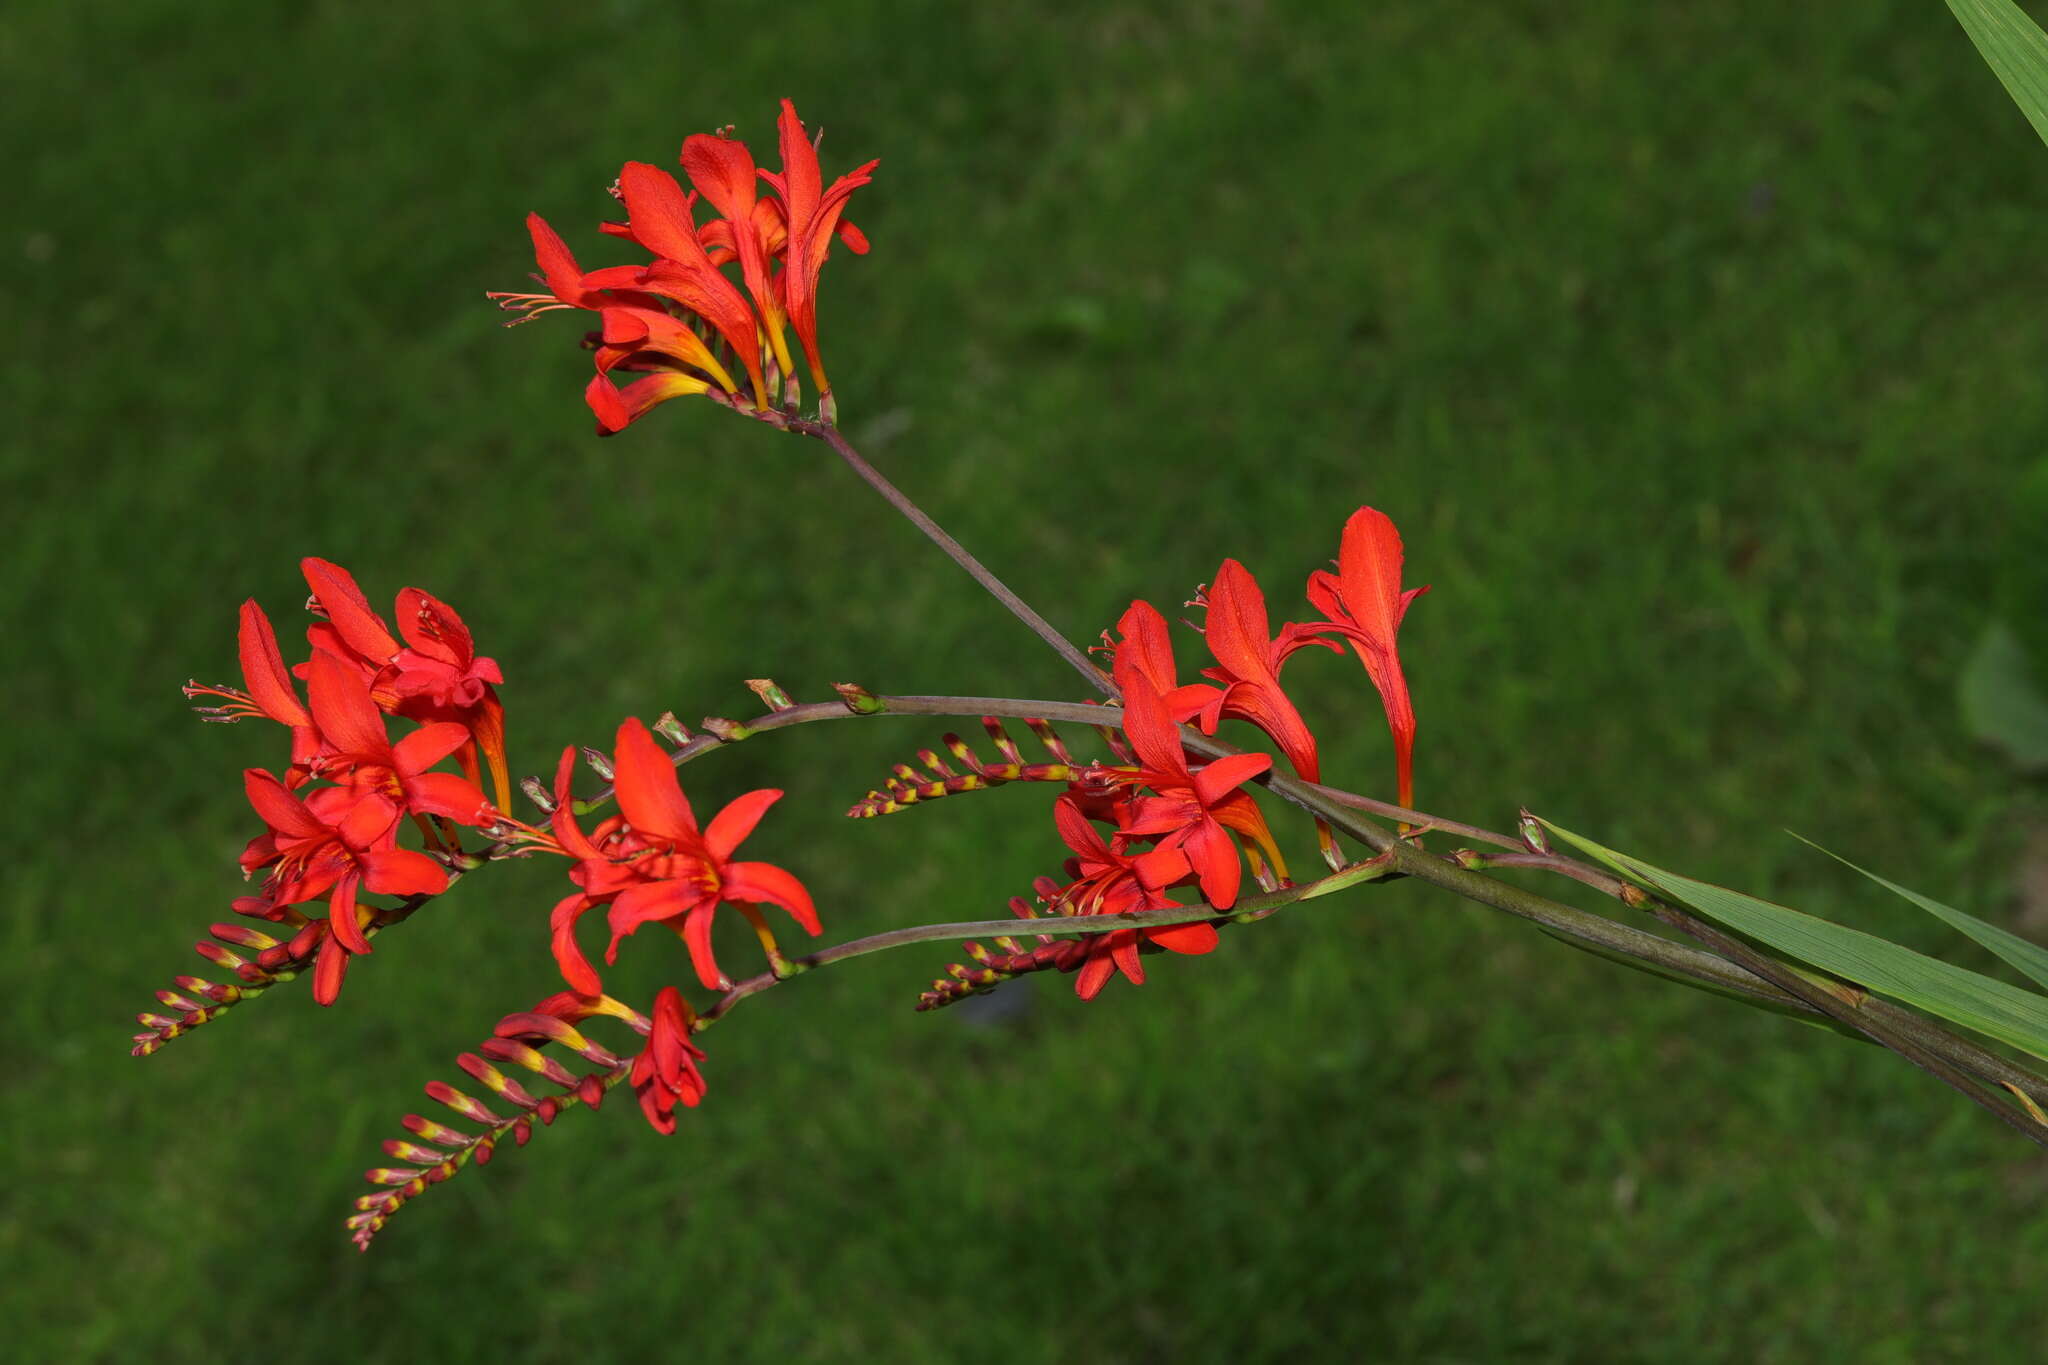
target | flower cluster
x=681, y=321
x=1167, y=826
x=1176, y=818
x=332, y=822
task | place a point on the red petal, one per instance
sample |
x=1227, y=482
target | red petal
x=616, y=408
x=328, y=970
x=730, y=827
x=697, y=937
x=368, y=820
x=557, y=266
x=802, y=185
x=1149, y=728
x=348, y=610
x=563, y=821
x=341, y=914
x=433, y=628
x=1123, y=951
x=1213, y=855
x=703, y=290
x=343, y=711
x=767, y=882
x=1192, y=939
x=638, y=905
x=1369, y=569
x=649, y=793
x=1075, y=828
x=402, y=872
x=277, y=807
x=1146, y=646
x=1236, y=628
x=447, y=795
x=575, y=967
x=659, y=213
x=1160, y=867
x=1094, y=976
x=263, y=671
x=1227, y=774
x=428, y=745
x=722, y=169
x=638, y=332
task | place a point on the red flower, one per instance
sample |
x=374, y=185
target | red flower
x=1364, y=603
x=1188, y=810
x=1146, y=647
x=1110, y=883
x=437, y=675
x=270, y=693
x=660, y=217
x=813, y=217
x=649, y=312
x=332, y=844
x=657, y=866
x=360, y=755
x=723, y=171
x=665, y=1072
x=569, y=286
x=1249, y=662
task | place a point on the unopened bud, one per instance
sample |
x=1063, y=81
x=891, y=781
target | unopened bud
x=1533, y=835
x=671, y=729
x=770, y=694
x=726, y=731
x=599, y=762
x=537, y=792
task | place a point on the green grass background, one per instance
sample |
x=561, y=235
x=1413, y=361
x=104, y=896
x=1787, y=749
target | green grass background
x=1695, y=349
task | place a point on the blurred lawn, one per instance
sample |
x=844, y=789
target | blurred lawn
x=1694, y=348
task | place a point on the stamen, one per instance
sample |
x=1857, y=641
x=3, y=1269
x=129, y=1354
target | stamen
x=240, y=705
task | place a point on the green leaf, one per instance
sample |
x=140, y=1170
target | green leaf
x=2016, y=49
x=2006, y=1013
x=2002, y=701
x=2030, y=958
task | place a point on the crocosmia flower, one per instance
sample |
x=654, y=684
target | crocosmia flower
x=1364, y=604
x=665, y=1073
x=331, y=845
x=1188, y=809
x=679, y=321
x=653, y=865
x=436, y=675
x=1107, y=882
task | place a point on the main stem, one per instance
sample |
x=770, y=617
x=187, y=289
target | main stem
x=958, y=553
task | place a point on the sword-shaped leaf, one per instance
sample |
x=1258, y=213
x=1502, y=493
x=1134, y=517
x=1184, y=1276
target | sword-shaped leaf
x=2016, y=49
x=2030, y=958
x=2006, y=1013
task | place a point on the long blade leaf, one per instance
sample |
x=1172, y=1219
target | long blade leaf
x=2016, y=49
x=2030, y=958
x=2006, y=1013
